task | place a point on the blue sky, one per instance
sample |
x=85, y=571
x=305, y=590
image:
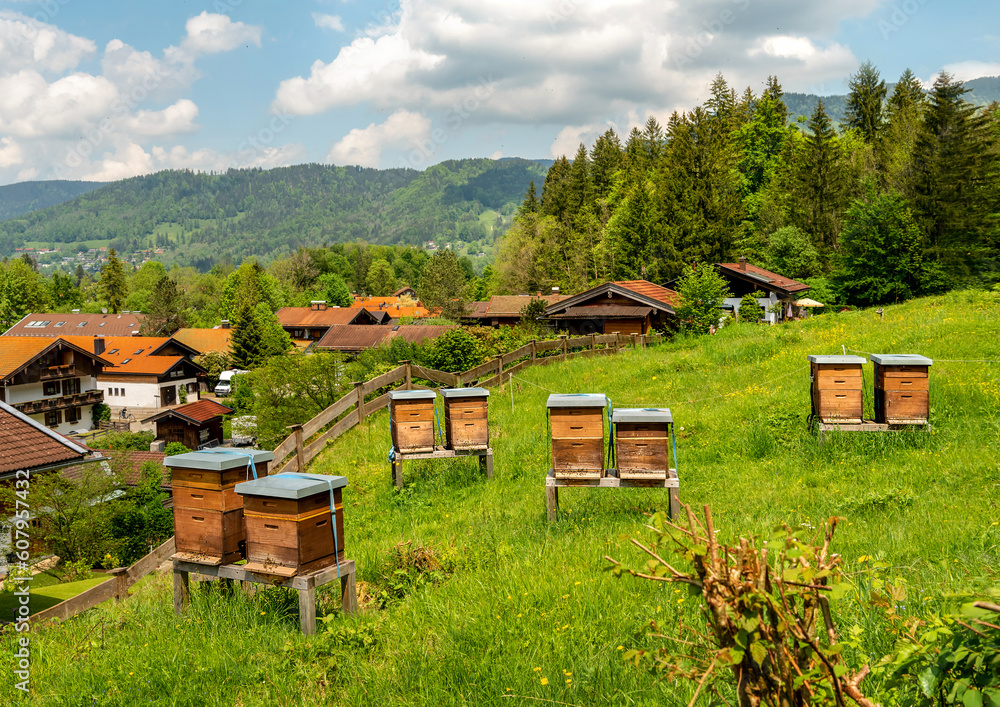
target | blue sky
x=113, y=89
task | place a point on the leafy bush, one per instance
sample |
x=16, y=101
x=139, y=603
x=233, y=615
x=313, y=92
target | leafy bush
x=129, y=441
x=100, y=413
x=454, y=351
x=173, y=448
x=750, y=310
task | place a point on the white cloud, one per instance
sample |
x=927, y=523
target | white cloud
x=211, y=33
x=967, y=70
x=27, y=43
x=177, y=118
x=324, y=21
x=128, y=161
x=569, y=138
x=32, y=107
x=10, y=153
x=364, y=146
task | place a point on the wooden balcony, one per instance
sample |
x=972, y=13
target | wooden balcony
x=88, y=397
x=67, y=370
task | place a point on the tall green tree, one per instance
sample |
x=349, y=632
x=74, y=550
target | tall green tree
x=257, y=335
x=904, y=116
x=112, y=286
x=22, y=291
x=381, y=279
x=955, y=186
x=443, y=285
x=880, y=259
x=335, y=290
x=63, y=293
x=703, y=291
x=822, y=190
x=866, y=103
x=790, y=252
x=166, y=312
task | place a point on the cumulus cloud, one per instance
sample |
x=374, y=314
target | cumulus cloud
x=559, y=62
x=177, y=118
x=30, y=106
x=324, y=21
x=363, y=146
x=27, y=43
x=967, y=70
x=10, y=153
x=211, y=33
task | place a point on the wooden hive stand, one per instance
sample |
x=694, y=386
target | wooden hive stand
x=837, y=384
x=577, y=429
x=467, y=428
x=208, y=513
x=902, y=392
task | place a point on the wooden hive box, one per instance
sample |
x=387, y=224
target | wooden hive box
x=290, y=523
x=837, y=384
x=208, y=513
x=902, y=392
x=577, y=425
x=411, y=420
x=465, y=422
x=642, y=442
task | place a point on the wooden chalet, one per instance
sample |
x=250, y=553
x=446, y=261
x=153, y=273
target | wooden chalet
x=195, y=425
x=311, y=323
x=505, y=310
x=745, y=279
x=405, y=291
x=628, y=307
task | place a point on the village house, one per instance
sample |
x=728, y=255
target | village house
x=195, y=425
x=392, y=308
x=204, y=341
x=77, y=323
x=51, y=380
x=505, y=310
x=354, y=339
x=627, y=307
x=147, y=372
x=308, y=324
x=779, y=291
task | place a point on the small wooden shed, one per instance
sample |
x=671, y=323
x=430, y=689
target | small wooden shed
x=642, y=442
x=208, y=513
x=194, y=425
x=902, y=391
x=295, y=522
x=465, y=418
x=837, y=384
x=577, y=428
x=411, y=420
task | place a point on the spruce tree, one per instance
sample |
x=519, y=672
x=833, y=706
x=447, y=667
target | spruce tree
x=166, y=309
x=443, y=285
x=530, y=203
x=822, y=191
x=113, y=288
x=381, y=280
x=904, y=115
x=865, y=103
x=606, y=160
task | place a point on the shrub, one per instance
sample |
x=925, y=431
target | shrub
x=173, y=448
x=454, y=351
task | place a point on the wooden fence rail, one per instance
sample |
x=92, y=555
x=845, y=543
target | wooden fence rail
x=116, y=587
x=293, y=454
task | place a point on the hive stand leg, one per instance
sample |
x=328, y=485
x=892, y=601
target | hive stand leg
x=307, y=610
x=486, y=463
x=181, y=591
x=552, y=502
x=349, y=593
x=397, y=472
x=675, y=503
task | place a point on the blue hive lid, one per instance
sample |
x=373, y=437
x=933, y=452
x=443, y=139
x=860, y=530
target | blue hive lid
x=292, y=486
x=218, y=459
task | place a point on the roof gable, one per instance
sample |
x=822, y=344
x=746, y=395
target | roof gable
x=196, y=413
x=17, y=352
x=77, y=324
x=765, y=278
x=643, y=293
x=25, y=444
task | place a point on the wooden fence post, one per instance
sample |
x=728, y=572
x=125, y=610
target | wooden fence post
x=499, y=369
x=593, y=342
x=618, y=342
x=361, y=401
x=121, y=583
x=635, y=341
x=565, y=344
x=409, y=380
x=642, y=341
x=300, y=451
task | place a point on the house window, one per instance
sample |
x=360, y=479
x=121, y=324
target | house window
x=51, y=387
x=52, y=419
x=73, y=414
x=71, y=386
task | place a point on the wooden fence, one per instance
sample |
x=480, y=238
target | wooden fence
x=114, y=588
x=309, y=439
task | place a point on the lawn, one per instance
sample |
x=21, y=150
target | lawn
x=519, y=609
x=46, y=591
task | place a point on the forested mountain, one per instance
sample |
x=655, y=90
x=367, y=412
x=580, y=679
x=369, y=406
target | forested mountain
x=19, y=199
x=904, y=200
x=201, y=219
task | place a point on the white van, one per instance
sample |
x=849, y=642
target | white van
x=225, y=385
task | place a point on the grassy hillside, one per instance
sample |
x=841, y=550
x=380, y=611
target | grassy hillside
x=200, y=219
x=519, y=601
x=21, y=198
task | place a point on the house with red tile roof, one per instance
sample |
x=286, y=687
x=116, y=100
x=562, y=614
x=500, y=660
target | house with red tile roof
x=195, y=425
x=778, y=292
x=354, y=339
x=51, y=380
x=504, y=310
x=205, y=340
x=145, y=371
x=627, y=307
x=311, y=323
x=78, y=324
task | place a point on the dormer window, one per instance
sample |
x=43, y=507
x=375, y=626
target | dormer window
x=126, y=361
x=82, y=324
x=60, y=323
x=112, y=352
x=102, y=324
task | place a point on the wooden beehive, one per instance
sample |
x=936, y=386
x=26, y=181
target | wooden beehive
x=208, y=513
x=577, y=428
x=289, y=519
x=642, y=442
x=902, y=393
x=837, y=383
x=411, y=420
x=465, y=423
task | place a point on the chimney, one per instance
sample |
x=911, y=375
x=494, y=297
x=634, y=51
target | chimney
x=225, y=323
x=98, y=345
x=555, y=290
x=76, y=311
x=318, y=305
x=743, y=263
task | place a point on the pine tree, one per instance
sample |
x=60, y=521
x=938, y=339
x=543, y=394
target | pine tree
x=166, y=309
x=580, y=188
x=443, y=285
x=112, y=287
x=606, y=160
x=381, y=280
x=905, y=112
x=246, y=340
x=530, y=203
x=822, y=181
x=956, y=193
x=866, y=103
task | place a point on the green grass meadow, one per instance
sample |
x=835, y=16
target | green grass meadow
x=520, y=611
